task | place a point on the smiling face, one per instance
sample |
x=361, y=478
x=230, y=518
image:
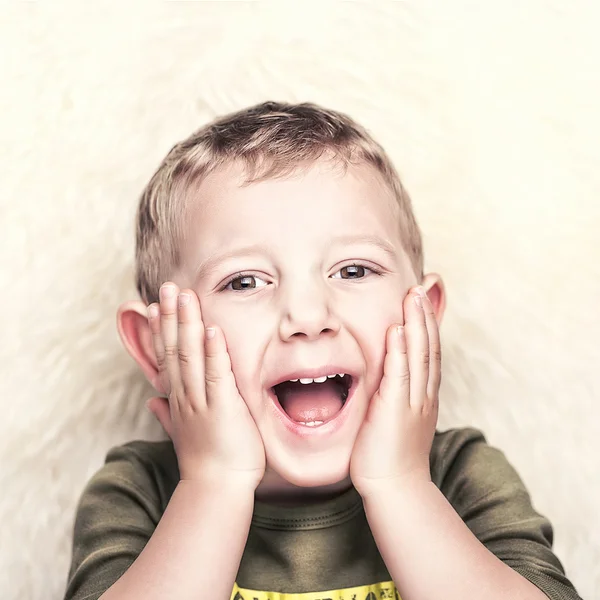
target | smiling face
x=314, y=275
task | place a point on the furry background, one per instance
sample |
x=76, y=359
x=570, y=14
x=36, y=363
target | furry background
x=490, y=112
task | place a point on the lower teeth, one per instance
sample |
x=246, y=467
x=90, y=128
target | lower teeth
x=311, y=423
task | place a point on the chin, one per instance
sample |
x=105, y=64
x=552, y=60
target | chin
x=313, y=471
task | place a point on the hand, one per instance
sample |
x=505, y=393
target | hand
x=215, y=437
x=394, y=442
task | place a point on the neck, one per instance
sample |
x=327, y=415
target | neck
x=273, y=489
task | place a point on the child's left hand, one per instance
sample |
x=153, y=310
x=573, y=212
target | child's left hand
x=393, y=445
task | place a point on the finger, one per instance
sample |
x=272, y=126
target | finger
x=157, y=343
x=218, y=376
x=395, y=382
x=435, y=352
x=190, y=339
x=418, y=347
x=168, y=328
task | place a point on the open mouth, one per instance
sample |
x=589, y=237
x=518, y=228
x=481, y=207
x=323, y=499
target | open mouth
x=313, y=402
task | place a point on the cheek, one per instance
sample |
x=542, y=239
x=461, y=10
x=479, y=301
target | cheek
x=238, y=332
x=374, y=342
x=245, y=347
x=374, y=355
x=246, y=335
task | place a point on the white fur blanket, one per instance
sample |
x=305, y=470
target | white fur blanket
x=489, y=110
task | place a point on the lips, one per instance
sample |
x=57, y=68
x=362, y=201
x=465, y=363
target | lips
x=328, y=426
x=312, y=373
x=343, y=383
x=319, y=402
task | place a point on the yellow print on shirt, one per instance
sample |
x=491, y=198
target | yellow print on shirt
x=385, y=590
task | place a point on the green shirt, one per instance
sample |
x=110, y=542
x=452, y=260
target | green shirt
x=311, y=552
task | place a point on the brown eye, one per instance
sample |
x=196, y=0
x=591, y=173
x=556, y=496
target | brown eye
x=242, y=283
x=354, y=271
x=245, y=283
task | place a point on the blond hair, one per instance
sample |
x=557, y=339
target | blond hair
x=272, y=140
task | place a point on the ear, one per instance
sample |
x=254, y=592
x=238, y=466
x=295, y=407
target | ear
x=134, y=330
x=436, y=292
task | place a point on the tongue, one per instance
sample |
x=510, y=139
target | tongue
x=311, y=402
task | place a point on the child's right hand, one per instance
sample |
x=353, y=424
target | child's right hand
x=213, y=432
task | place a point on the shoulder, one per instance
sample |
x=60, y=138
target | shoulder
x=448, y=444
x=484, y=488
x=147, y=468
x=117, y=513
x=463, y=461
x=157, y=457
x=490, y=497
x=453, y=446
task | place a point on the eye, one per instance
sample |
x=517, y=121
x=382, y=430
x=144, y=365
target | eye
x=356, y=271
x=245, y=282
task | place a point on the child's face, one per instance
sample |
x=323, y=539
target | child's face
x=300, y=307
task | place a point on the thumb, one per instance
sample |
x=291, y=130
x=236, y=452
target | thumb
x=160, y=408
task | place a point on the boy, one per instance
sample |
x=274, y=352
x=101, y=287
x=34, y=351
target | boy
x=295, y=345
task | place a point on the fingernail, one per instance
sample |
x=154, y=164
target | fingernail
x=418, y=301
x=400, y=330
x=183, y=299
x=210, y=333
x=152, y=311
x=167, y=291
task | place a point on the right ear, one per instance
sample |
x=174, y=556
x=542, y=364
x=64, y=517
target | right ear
x=134, y=330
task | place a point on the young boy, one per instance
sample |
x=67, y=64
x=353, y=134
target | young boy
x=296, y=349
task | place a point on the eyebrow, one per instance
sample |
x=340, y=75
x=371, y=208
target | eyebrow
x=210, y=263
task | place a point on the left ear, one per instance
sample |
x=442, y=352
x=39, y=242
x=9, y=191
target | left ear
x=436, y=292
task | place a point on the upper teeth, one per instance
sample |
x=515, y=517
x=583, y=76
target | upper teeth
x=317, y=379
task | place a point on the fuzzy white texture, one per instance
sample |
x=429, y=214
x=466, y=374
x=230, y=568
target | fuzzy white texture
x=488, y=109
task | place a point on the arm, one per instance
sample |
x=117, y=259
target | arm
x=197, y=545
x=139, y=533
x=474, y=527
x=453, y=521
x=122, y=547
x=438, y=554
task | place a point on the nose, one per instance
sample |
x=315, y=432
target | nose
x=307, y=314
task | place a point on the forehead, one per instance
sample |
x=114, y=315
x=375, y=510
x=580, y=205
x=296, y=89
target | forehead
x=303, y=209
